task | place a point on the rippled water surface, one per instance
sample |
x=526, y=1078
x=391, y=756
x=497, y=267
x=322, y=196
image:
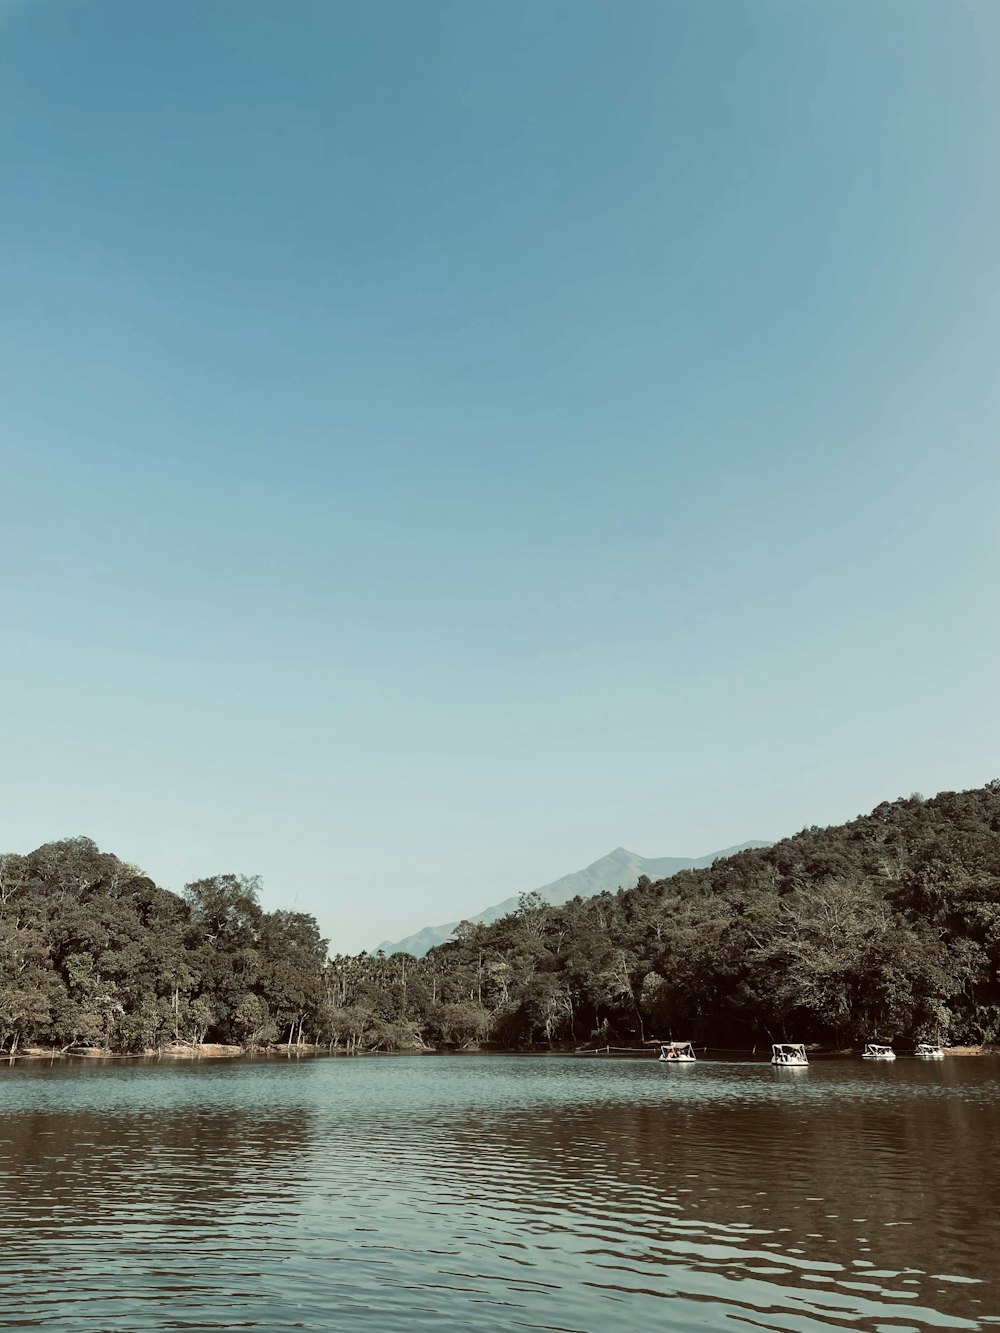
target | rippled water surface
x=493, y=1192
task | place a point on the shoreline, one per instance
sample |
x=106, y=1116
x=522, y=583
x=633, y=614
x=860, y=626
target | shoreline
x=220, y=1051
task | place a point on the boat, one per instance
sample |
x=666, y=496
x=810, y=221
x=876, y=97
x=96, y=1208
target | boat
x=677, y=1052
x=788, y=1053
x=873, y=1051
x=929, y=1050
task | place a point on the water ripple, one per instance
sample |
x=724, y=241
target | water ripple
x=498, y=1193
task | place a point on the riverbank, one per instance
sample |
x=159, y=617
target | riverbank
x=208, y=1050
x=220, y=1051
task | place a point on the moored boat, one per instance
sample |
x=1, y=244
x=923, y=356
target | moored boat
x=677, y=1052
x=929, y=1050
x=789, y=1053
x=875, y=1051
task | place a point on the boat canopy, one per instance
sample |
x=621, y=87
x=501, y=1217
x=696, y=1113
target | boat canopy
x=788, y=1048
x=874, y=1048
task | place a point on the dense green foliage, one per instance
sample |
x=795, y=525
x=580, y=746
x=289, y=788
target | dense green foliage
x=92, y=953
x=887, y=926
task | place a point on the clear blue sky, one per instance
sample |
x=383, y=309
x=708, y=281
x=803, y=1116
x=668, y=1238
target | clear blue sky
x=442, y=442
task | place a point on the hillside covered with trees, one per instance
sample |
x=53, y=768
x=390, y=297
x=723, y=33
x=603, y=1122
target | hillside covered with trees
x=888, y=925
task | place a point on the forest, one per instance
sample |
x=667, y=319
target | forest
x=887, y=926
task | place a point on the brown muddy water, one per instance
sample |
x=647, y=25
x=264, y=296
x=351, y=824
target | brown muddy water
x=499, y=1193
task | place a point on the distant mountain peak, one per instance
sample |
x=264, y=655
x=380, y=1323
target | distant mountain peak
x=619, y=868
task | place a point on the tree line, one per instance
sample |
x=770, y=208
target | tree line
x=888, y=926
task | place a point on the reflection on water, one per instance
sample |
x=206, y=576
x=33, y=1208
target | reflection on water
x=499, y=1193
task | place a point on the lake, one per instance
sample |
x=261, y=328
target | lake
x=499, y=1193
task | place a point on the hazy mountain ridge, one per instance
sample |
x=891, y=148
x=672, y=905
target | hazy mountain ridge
x=619, y=869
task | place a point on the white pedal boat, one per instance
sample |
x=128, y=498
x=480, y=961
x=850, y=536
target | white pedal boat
x=928, y=1050
x=874, y=1051
x=789, y=1053
x=677, y=1053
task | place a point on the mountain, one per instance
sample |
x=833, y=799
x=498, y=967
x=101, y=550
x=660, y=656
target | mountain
x=619, y=869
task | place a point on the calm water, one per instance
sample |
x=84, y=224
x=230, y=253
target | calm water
x=499, y=1192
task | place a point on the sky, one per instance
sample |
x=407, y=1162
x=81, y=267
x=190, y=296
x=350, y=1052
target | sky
x=442, y=442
